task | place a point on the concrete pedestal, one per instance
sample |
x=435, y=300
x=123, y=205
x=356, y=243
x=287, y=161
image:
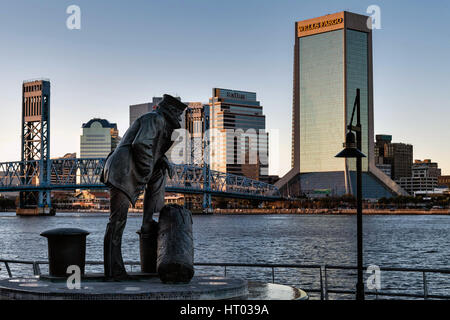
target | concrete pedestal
x=144, y=287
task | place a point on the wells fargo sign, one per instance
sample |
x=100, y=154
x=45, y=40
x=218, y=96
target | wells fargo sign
x=322, y=24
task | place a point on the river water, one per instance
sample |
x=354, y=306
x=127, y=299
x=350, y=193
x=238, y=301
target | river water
x=389, y=241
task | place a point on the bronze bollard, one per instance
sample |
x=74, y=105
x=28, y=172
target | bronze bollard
x=148, y=247
x=175, y=262
x=66, y=246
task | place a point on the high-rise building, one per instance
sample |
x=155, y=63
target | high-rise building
x=98, y=139
x=381, y=142
x=188, y=144
x=424, y=177
x=239, y=141
x=137, y=110
x=397, y=156
x=332, y=58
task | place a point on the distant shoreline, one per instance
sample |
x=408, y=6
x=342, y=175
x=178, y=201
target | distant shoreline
x=299, y=211
x=304, y=211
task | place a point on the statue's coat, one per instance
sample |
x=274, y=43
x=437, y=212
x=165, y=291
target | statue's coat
x=130, y=166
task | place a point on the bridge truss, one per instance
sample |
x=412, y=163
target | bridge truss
x=84, y=173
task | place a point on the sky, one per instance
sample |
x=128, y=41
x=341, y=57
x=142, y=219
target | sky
x=126, y=52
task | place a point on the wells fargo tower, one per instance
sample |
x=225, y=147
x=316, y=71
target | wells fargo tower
x=332, y=58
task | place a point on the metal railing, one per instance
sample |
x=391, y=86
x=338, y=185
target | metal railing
x=272, y=267
x=422, y=271
x=322, y=289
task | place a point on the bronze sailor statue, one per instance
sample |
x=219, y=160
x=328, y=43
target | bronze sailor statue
x=138, y=163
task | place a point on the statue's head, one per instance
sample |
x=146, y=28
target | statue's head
x=172, y=108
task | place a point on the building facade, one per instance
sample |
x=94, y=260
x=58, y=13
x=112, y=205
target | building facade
x=99, y=137
x=385, y=168
x=424, y=177
x=380, y=148
x=425, y=168
x=237, y=134
x=444, y=181
x=398, y=156
x=332, y=58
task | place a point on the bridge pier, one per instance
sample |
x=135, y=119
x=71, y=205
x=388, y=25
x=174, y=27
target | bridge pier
x=45, y=199
x=207, y=203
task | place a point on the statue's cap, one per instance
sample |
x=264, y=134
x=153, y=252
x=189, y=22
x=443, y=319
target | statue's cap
x=169, y=101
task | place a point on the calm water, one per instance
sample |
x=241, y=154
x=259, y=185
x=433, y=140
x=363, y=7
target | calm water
x=395, y=241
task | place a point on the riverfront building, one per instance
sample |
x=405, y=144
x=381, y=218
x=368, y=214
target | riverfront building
x=398, y=156
x=99, y=137
x=424, y=177
x=332, y=58
x=239, y=142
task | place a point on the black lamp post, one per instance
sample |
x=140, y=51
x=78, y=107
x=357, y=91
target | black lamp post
x=353, y=150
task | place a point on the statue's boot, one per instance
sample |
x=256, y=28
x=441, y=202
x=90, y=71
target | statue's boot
x=113, y=262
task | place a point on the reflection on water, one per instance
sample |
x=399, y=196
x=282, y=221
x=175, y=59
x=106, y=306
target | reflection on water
x=396, y=241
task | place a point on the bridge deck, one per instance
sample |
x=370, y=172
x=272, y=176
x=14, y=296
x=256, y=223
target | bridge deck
x=84, y=173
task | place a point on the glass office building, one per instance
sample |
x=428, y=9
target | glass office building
x=322, y=95
x=239, y=142
x=332, y=58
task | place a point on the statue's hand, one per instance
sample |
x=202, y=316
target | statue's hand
x=166, y=167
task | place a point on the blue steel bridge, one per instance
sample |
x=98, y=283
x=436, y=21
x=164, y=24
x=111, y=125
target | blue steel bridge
x=36, y=175
x=84, y=173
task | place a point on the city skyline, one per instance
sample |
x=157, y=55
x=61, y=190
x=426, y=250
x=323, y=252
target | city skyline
x=99, y=71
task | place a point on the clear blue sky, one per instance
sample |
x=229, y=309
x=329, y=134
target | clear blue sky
x=129, y=51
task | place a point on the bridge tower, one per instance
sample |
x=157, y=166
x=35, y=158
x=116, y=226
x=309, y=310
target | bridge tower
x=35, y=167
x=207, y=203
